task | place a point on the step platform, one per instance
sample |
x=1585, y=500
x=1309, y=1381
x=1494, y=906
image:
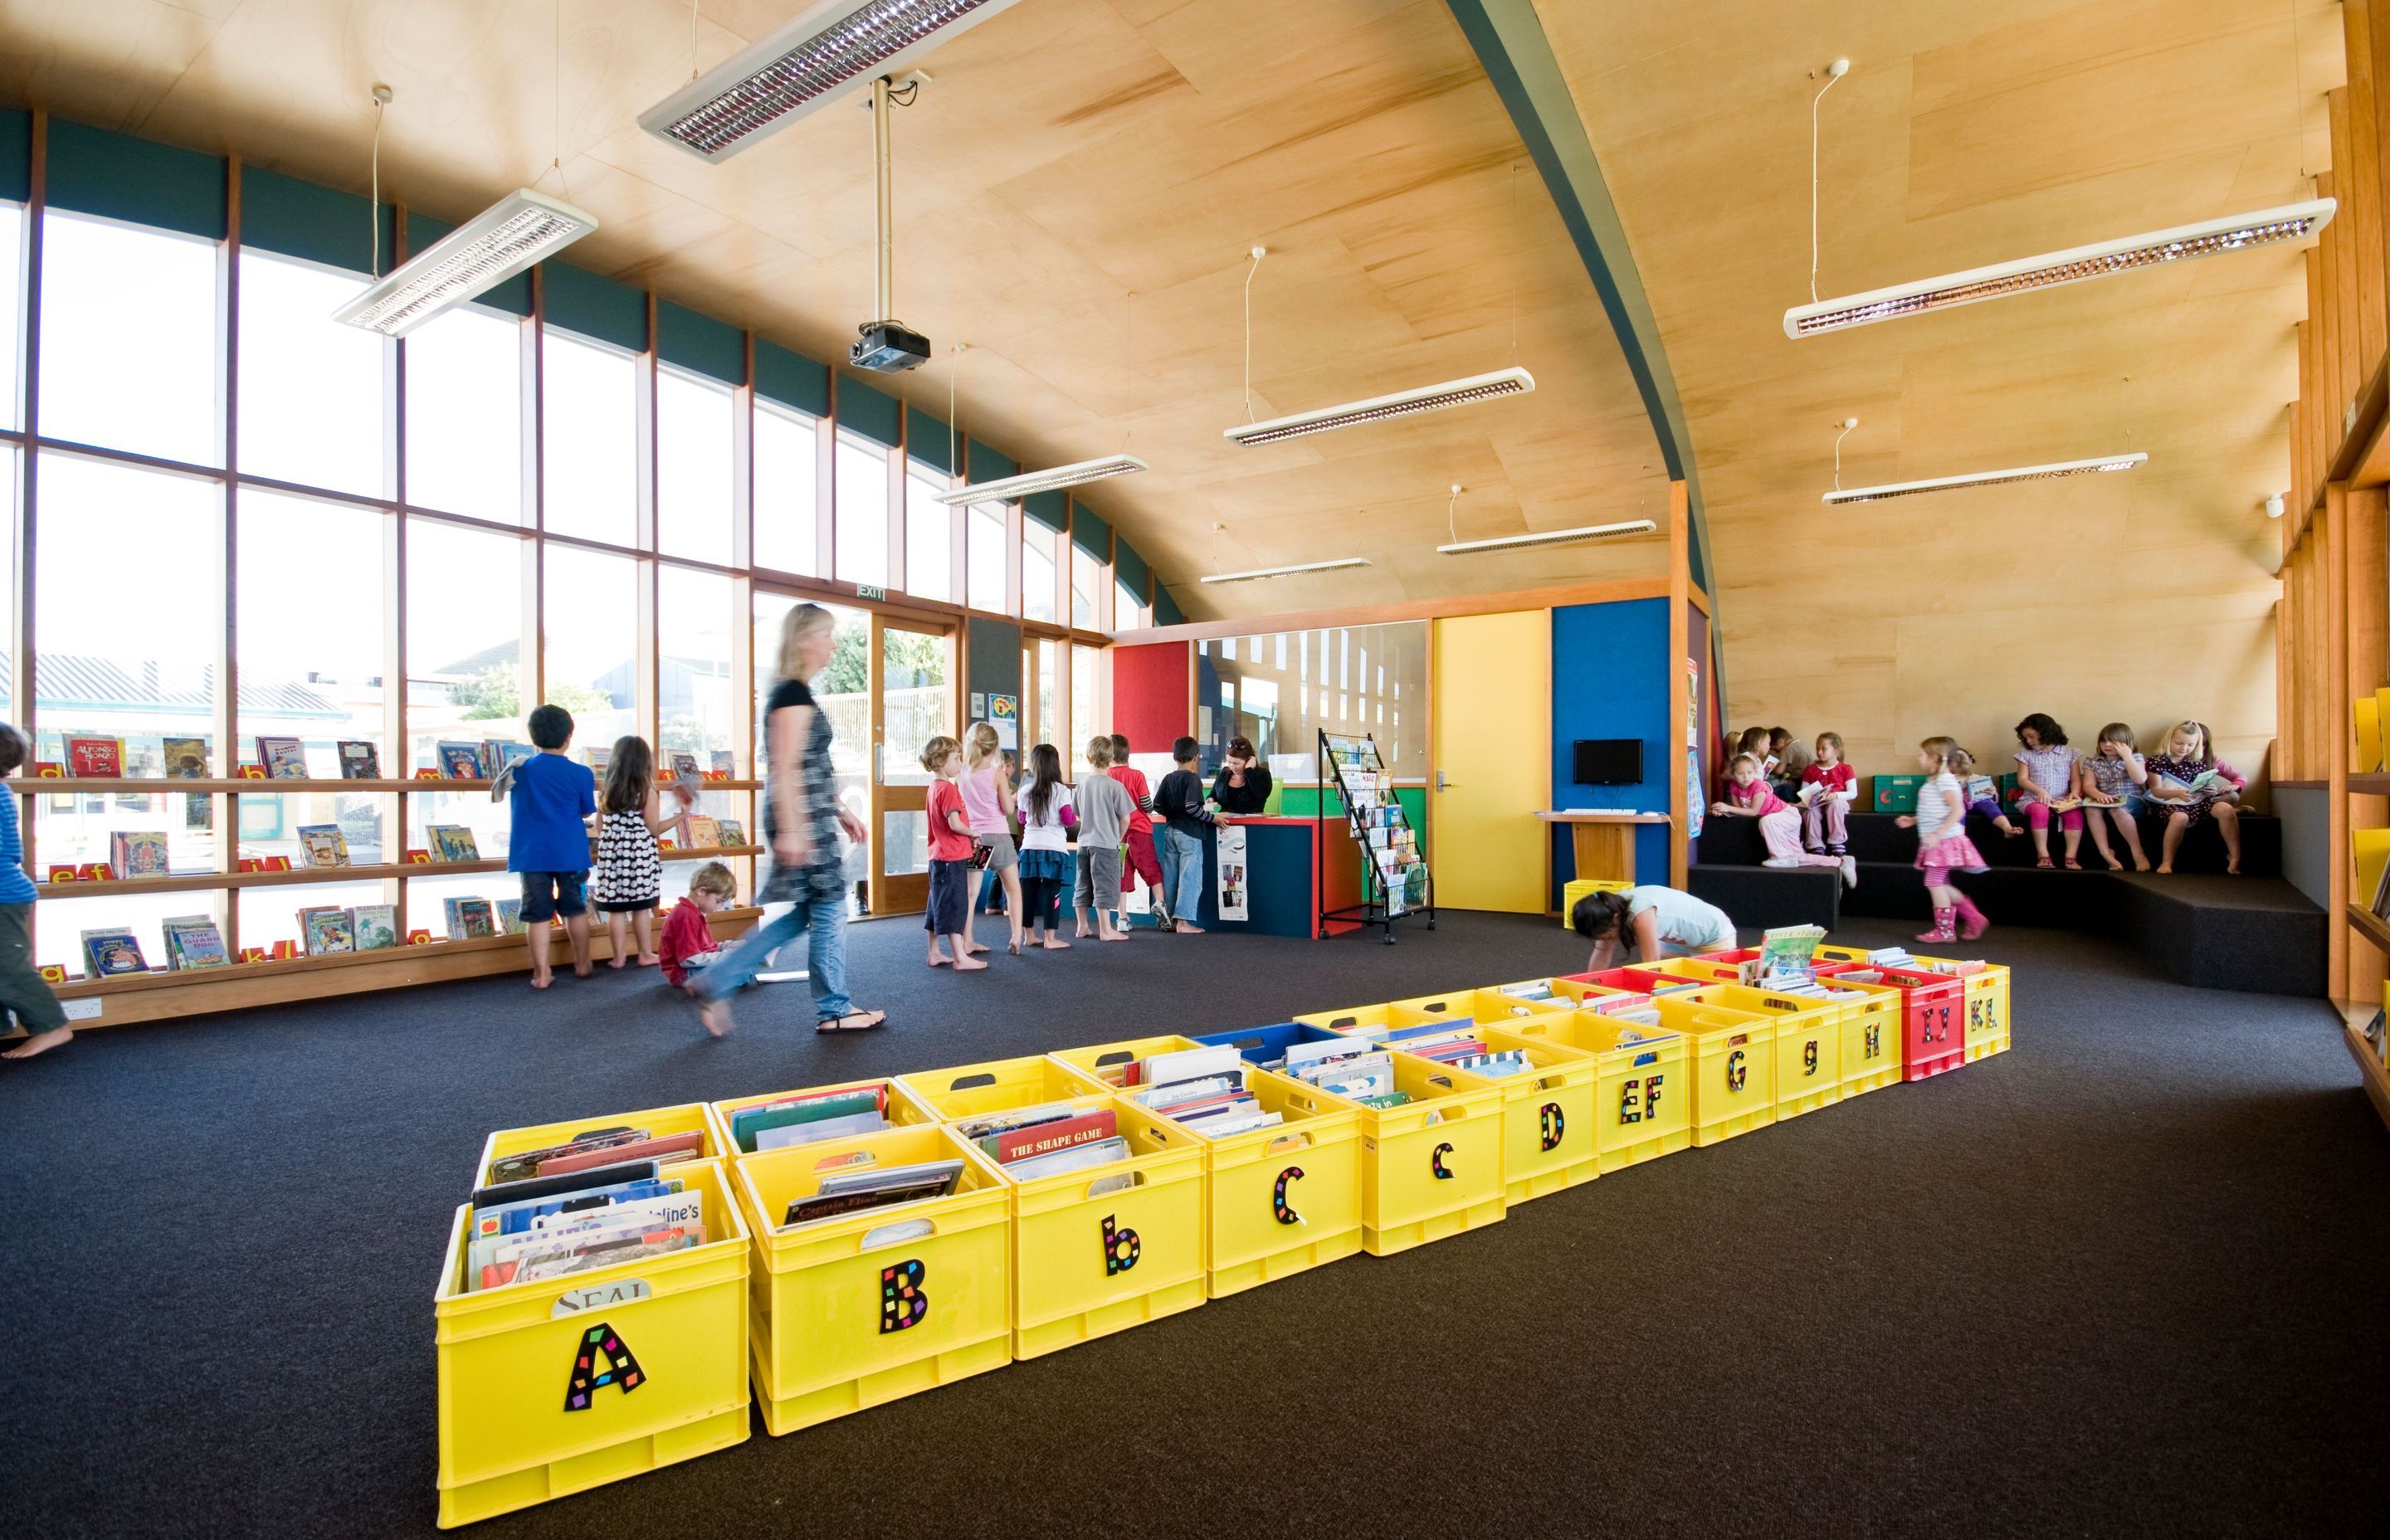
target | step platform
x=1876, y=836
x=1764, y=897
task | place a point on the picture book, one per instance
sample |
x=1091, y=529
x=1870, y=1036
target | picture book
x=514, y=1217
x=702, y=832
x=1077, y=1158
x=510, y=921
x=377, y=925
x=731, y=832
x=469, y=919
x=461, y=761
x=111, y=955
x=1048, y=1137
x=748, y=1121
x=360, y=761
x=513, y=753
x=452, y=842
x=725, y=762
x=323, y=844
x=827, y=1128
x=848, y=1192
x=544, y=1255
x=185, y=758
x=599, y=760
x=94, y=756
x=328, y=931
x=664, y=1149
x=525, y=1164
x=284, y=759
x=583, y=1218
x=133, y=854
x=684, y=765
x=193, y=940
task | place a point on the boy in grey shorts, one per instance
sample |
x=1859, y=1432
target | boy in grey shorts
x=1104, y=807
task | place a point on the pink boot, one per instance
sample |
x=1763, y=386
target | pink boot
x=1941, y=931
x=1972, y=922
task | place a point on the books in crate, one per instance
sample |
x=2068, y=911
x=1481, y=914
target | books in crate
x=603, y=1196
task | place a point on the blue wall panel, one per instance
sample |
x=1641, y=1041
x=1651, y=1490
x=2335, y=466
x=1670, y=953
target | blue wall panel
x=1611, y=678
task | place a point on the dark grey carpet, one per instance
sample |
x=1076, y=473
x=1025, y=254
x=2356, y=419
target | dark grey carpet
x=2123, y=1280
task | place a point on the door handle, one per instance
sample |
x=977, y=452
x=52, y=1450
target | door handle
x=1441, y=784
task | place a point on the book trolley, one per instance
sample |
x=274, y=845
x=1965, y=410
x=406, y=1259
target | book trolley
x=550, y=1388
x=1395, y=880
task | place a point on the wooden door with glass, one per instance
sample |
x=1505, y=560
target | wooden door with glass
x=913, y=699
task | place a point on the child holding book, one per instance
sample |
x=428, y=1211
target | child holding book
x=2188, y=783
x=1980, y=793
x=23, y=991
x=2045, y=786
x=949, y=915
x=630, y=873
x=1825, y=811
x=687, y=944
x=1747, y=796
x=1046, y=821
x=550, y=800
x=2111, y=786
x=987, y=798
x=1103, y=807
x=1941, y=844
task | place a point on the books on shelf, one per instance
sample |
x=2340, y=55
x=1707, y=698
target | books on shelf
x=360, y=761
x=184, y=758
x=497, y=754
x=2371, y=847
x=327, y=932
x=731, y=833
x=510, y=921
x=376, y=926
x=284, y=759
x=95, y=756
x=702, y=832
x=452, y=842
x=725, y=762
x=683, y=766
x=323, y=844
x=599, y=758
x=112, y=954
x=192, y=941
x=469, y=919
x=136, y=854
x=462, y=761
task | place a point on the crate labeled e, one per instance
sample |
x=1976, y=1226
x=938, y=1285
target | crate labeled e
x=1643, y=1104
x=859, y=1309
x=1105, y=1247
x=1432, y=1167
x=547, y=1388
x=1549, y=1114
x=1282, y=1199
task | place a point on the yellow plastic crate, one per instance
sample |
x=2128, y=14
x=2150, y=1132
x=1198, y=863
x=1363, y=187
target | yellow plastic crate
x=1643, y=1105
x=1549, y=1115
x=1432, y=1167
x=1278, y=1201
x=904, y=1109
x=1987, y=1005
x=999, y=1085
x=853, y=1312
x=551, y=1388
x=1484, y=1007
x=1572, y=892
x=1360, y=1019
x=1730, y=1054
x=1871, y=1041
x=1808, y=1043
x=691, y=1117
x=1106, y=1062
x=1086, y=1263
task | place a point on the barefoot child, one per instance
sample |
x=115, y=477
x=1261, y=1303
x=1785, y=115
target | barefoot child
x=549, y=847
x=22, y=991
x=2188, y=783
x=1046, y=819
x=949, y=915
x=1942, y=843
x=688, y=945
x=1103, y=806
x=2111, y=786
x=630, y=877
x=2045, y=775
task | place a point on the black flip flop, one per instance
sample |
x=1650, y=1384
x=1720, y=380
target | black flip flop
x=829, y=1024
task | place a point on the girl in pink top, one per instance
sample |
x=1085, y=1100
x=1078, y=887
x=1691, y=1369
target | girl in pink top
x=1747, y=796
x=988, y=807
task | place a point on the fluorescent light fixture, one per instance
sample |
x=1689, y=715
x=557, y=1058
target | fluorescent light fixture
x=1023, y=485
x=517, y=230
x=1550, y=537
x=819, y=56
x=1989, y=477
x=1402, y=404
x=2266, y=228
x=1287, y=571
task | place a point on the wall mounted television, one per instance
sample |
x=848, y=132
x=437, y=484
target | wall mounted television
x=1608, y=762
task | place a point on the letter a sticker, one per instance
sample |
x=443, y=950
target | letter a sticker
x=600, y=1345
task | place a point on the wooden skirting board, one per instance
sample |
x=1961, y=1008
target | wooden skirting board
x=245, y=986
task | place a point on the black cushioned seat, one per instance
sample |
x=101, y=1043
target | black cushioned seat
x=1762, y=897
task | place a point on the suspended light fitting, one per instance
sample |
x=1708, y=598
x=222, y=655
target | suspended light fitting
x=1550, y=537
x=519, y=229
x=2183, y=242
x=822, y=53
x=1287, y=572
x=1987, y=478
x=1012, y=487
x=1402, y=404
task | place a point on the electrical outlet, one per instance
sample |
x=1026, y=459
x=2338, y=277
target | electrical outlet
x=81, y=1010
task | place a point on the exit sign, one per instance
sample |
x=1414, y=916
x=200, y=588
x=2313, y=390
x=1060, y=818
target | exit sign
x=866, y=591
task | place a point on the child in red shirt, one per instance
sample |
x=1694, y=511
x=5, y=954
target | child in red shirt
x=950, y=853
x=1143, y=859
x=1825, y=811
x=688, y=944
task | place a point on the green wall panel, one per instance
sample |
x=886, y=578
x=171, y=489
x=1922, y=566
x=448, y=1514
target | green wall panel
x=1089, y=533
x=293, y=218
x=16, y=155
x=874, y=414
x=928, y=441
x=791, y=378
x=701, y=344
x=1049, y=508
x=94, y=172
x=583, y=302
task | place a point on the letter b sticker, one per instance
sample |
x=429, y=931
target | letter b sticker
x=902, y=1301
x=1121, y=1248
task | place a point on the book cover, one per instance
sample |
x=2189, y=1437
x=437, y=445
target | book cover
x=511, y=753
x=703, y=833
x=325, y=844
x=725, y=762
x=748, y=1121
x=452, y=911
x=193, y=940
x=94, y=756
x=1048, y=1137
x=732, y=832
x=283, y=758
x=377, y=927
x=453, y=843
x=112, y=954
x=138, y=853
x=599, y=758
x=462, y=761
x=330, y=932
x=360, y=761
x=480, y=921
x=185, y=758
x=510, y=921
x=684, y=765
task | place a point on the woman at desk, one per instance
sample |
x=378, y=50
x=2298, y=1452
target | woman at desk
x=1655, y=921
x=1243, y=784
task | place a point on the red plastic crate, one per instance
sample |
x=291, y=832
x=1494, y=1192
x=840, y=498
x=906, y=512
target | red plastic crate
x=1933, y=1016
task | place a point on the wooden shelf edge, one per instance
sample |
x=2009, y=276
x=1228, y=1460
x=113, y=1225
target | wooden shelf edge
x=2374, y=783
x=205, y=881
x=2377, y=1079
x=2371, y=926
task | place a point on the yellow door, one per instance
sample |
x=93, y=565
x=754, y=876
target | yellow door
x=1493, y=705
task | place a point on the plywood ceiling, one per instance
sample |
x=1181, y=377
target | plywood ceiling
x=1969, y=133
x=1076, y=193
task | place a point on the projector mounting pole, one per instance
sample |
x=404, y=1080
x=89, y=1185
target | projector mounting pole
x=879, y=111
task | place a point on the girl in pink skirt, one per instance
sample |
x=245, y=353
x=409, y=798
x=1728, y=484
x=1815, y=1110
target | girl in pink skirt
x=1747, y=796
x=1942, y=843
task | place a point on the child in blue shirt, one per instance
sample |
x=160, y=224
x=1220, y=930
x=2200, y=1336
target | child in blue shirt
x=550, y=800
x=22, y=990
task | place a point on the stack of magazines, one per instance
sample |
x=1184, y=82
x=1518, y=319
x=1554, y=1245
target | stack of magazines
x=1046, y=1140
x=600, y=1198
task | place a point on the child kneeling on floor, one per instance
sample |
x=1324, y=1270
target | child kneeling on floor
x=1747, y=796
x=688, y=944
x=1942, y=843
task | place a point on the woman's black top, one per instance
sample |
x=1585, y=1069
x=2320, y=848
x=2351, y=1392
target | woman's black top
x=1247, y=797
